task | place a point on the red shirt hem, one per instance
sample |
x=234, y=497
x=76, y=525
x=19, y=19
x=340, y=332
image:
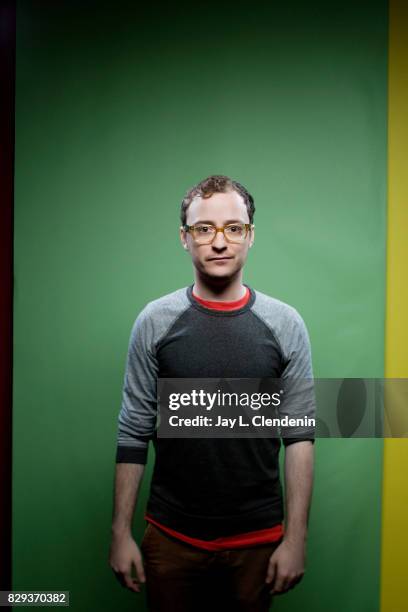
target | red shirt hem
x=242, y=540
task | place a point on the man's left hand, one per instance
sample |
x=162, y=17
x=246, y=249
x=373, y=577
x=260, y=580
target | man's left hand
x=286, y=566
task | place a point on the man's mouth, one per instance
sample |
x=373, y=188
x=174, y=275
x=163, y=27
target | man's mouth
x=218, y=258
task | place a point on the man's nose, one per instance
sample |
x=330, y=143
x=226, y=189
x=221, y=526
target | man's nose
x=219, y=240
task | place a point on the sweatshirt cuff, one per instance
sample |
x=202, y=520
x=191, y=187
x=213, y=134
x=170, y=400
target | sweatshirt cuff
x=288, y=441
x=130, y=454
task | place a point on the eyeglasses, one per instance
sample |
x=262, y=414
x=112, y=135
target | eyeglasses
x=204, y=233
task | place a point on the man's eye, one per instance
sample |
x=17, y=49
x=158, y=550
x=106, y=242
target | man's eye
x=234, y=229
x=203, y=229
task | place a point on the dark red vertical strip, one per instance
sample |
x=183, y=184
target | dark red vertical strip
x=7, y=87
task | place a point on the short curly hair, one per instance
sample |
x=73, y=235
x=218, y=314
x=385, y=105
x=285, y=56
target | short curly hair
x=216, y=183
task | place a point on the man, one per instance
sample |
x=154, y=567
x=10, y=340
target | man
x=215, y=509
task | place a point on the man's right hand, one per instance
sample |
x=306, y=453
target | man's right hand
x=124, y=554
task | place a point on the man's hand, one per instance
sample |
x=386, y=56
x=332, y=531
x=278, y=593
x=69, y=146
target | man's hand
x=286, y=566
x=287, y=563
x=125, y=554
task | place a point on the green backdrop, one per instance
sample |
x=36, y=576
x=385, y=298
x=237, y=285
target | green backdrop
x=119, y=109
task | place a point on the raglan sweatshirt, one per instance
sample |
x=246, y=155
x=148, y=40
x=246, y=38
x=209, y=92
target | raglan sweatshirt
x=211, y=493
x=240, y=540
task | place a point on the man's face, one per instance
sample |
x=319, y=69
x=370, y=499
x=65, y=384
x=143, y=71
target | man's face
x=221, y=259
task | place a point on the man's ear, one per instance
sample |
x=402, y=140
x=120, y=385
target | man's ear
x=182, y=233
x=252, y=236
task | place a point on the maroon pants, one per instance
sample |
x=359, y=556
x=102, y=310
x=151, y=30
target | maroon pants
x=184, y=578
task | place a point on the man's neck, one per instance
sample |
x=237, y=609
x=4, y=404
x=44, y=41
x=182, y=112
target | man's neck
x=219, y=290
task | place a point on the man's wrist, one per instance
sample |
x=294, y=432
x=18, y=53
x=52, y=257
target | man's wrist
x=298, y=537
x=121, y=530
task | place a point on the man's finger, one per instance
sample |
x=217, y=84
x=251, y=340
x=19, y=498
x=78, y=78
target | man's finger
x=131, y=583
x=140, y=570
x=280, y=584
x=271, y=572
x=122, y=579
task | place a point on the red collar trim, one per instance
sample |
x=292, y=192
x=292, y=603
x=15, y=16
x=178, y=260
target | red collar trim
x=224, y=305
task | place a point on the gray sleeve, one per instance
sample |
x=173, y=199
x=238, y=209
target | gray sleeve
x=137, y=417
x=299, y=397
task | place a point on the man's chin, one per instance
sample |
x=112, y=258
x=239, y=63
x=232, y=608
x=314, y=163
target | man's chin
x=221, y=273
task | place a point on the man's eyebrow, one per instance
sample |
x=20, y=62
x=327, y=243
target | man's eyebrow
x=225, y=223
